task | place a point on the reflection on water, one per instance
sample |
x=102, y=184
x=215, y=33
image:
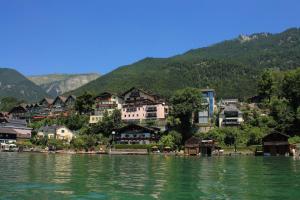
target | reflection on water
x=49, y=176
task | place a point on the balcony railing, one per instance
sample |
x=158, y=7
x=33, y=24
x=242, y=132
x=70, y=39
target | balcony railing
x=151, y=109
x=131, y=109
x=151, y=115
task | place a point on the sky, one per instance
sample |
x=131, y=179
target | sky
x=83, y=36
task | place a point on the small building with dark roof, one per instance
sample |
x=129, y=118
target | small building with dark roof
x=275, y=144
x=192, y=146
x=196, y=146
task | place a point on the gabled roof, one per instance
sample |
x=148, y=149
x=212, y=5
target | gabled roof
x=62, y=98
x=156, y=97
x=51, y=129
x=104, y=95
x=276, y=134
x=193, y=140
x=135, y=126
x=231, y=108
x=71, y=96
x=139, y=89
x=48, y=100
x=19, y=107
x=8, y=131
x=47, y=129
x=14, y=123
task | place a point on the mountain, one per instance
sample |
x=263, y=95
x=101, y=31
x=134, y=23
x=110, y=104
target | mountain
x=57, y=84
x=14, y=84
x=231, y=67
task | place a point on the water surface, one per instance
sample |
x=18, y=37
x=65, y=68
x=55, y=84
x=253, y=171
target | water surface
x=48, y=176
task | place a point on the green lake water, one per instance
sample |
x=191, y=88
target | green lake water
x=51, y=176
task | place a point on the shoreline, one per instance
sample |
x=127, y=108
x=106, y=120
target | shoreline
x=72, y=152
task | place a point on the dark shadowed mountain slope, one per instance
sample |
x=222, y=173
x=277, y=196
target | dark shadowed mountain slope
x=14, y=84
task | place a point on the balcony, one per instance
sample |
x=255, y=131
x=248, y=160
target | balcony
x=231, y=122
x=133, y=109
x=151, y=115
x=151, y=109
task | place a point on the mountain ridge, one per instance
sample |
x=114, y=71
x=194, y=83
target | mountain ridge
x=231, y=67
x=57, y=84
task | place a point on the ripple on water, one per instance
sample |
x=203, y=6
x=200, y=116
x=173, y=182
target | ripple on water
x=39, y=176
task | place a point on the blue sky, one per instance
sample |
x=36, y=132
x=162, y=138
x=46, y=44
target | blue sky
x=80, y=36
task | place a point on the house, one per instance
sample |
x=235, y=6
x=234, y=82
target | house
x=45, y=107
x=63, y=133
x=33, y=110
x=205, y=116
x=230, y=116
x=105, y=102
x=192, y=146
x=19, y=112
x=47, y=131
x=7, y=135
x=140, y=105
x=17, y=127
x=56, y=132
x=58, y=104
x=70, y=102
x=136, y=134
x=276, y=144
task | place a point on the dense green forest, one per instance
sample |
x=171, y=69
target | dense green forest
x=231, y=67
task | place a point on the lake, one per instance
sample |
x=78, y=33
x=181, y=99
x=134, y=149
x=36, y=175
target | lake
x=56, y=176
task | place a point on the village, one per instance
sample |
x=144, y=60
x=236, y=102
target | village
x=143, y=124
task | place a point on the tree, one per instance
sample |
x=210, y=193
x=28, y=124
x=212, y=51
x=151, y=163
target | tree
x=265, y=85
x=78, y=143
x=298, y=113
x=282, y=113
x=84, y=103
x=75, y=122
x=185, y=103
x=108, y=123
x=291, y=87
x=167, y=141
x=177, y=137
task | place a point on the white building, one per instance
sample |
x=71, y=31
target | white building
x=230, y=116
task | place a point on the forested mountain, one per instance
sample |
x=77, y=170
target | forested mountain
x=231, y=67
x=57, y=84
x=14, y=84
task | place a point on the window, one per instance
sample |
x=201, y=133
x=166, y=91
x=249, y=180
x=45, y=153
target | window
x=62, y=131
x=137, y=115
x=128, y=115
x=124, y=115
